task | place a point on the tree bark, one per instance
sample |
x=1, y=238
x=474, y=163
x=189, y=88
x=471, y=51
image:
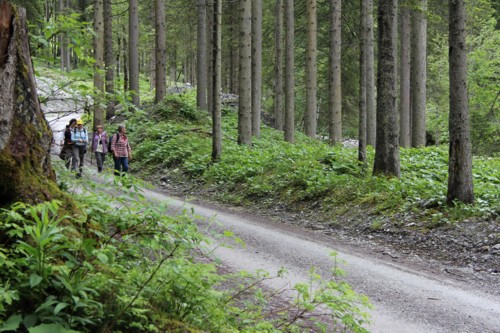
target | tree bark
x=160, y=52
x=311, y=70
x=99, y=61
x=133, y=30
x=387, y=149
x=419, y=75
x=209, y=53
x=362, y=83
x=278, y=67
x=460, y=184
x=404, y=81
x=371, y=114
x=216, y=109
x=25, y=137
x=335, y=101
x=256, y=66
x=289, y=72
x=201, y=66
x=109, y=59
x=245, y=74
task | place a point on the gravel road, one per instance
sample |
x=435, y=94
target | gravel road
x=405, y=299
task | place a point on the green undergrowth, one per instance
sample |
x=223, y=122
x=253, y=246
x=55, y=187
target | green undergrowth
x=174, y=138
x=121, y=263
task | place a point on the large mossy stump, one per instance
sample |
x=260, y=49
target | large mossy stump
x=25, y=136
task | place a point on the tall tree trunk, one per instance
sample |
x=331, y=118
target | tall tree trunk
x=362, y=82
x=289, y=72
x=209, y=53
x=25, y=137
x=256, y=66
x=160, y=52
x=419, y=75
x=133, y=30
x=201, y=69
x=404, y=82
x=335, y=101
x=245, y=74
x=125, y=63
x=371, y=114
x=460, y=185
x=387, y=149
x=109, y=59
x=99, y=61
x=278, y=67
x=311, y=70
x=216, y=58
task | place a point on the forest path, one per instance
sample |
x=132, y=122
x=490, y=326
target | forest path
x=405, y=299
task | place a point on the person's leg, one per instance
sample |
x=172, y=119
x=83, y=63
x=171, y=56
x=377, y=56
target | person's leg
x=75, y=155
x=103, y=159
x=125, y=164
x=69, y=152
x=82, y=157
x=98, y=161
x=117, y=166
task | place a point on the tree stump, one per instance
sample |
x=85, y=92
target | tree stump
x=25, y=137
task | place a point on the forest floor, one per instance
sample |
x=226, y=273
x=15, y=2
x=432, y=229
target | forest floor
x=457, y=250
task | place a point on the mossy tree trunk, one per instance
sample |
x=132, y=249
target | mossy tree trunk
x=25, y=137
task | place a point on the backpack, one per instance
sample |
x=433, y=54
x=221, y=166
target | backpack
x=109, y=142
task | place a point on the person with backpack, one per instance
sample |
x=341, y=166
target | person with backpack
x=100, y=146
x=80, y=139
x=120, y=148
x=67, y=148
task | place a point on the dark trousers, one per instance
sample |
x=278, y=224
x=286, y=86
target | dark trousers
x=78, y=156
x=100, y=158
x=69, y=153
x=121, y=165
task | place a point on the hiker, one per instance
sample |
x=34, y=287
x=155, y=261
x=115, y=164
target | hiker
x=122, y=153
x=100, y=146
x=80, y=139
x=68, y=144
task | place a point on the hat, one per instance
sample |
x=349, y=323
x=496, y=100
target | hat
x=79, y=122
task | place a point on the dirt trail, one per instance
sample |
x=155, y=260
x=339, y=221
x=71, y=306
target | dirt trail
x=406, y=300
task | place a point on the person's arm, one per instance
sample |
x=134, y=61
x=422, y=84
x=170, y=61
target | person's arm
x=73, y=136
x=129, y=151
x=113, y=144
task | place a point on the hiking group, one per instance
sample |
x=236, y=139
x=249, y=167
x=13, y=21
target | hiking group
x=76, y=140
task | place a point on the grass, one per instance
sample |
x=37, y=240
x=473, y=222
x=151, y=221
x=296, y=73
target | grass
x=176, y=136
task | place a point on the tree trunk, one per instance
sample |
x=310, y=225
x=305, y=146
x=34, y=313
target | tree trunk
x=404, y=81
x=99, y=61
x=209, y=53
x=289, y=73
x=25, y=137
x=278, y=67
x=125, y=63
x=109, y=59
x=460, y=185
x=160, y=52
x=65, y=61
x=235, y=64
x=311, y=70
x=216, y=109
x=387, y=149
x=245, y=73
x=133, y=30
x=362, y=82
x=335, y=101
x=201, y=69
x=371, y=115
x=256, y=66
x=419, y=75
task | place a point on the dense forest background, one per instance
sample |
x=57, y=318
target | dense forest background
x=65, y=24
